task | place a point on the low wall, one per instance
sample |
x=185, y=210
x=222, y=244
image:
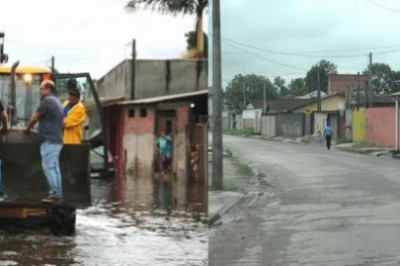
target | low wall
x=380, y=126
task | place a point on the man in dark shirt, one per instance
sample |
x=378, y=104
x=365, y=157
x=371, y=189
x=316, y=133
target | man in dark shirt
x=328, y=132
x=3, y=119
x=50, y=115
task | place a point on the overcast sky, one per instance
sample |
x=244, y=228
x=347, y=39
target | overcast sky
x=287, y=37
x=88, y=36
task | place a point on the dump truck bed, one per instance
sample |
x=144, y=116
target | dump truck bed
x=23, y=178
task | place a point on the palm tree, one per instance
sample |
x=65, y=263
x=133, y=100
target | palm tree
x=175, y=7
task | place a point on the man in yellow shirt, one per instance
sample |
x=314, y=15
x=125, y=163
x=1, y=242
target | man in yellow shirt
x=75, y=115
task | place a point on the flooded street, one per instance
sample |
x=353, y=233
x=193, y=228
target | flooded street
x=120, y=228
x=311, y=206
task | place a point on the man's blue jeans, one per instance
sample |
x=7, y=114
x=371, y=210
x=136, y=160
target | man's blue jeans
x=51, y=167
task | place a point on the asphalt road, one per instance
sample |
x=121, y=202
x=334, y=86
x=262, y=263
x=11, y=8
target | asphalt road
x=312, y=207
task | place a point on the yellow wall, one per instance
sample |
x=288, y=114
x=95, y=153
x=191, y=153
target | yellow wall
x=327, y=104
x=358, y=126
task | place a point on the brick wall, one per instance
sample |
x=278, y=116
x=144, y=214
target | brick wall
x=380, y=126
x=139, y=141
x=340, y=82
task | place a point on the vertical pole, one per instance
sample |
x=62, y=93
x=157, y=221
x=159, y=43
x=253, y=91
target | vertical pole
x=244, y=89
x=264, y=99
x=133, y=69
x=397, y=125
x=369, y=81
x=13, y=87
x=358, y=91
x=52, y=64
x=319, y=89
x=217, y=167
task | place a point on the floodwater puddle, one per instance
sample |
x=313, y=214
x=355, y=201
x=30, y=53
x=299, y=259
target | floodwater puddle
x=135, y=223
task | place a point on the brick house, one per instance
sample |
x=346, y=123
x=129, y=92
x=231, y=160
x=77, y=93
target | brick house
x=169, y=95
x=341, y=82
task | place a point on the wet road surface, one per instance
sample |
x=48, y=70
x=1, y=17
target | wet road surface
x=120, y=228
x=314, y=207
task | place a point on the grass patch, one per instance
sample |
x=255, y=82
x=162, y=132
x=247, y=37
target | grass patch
x=240, y=132
x=242, y=169
x=364, y=148
x=342, y=141
x=363, y=145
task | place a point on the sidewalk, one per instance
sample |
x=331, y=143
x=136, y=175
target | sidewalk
x=374, y=151
x=348, y=147
x=221, y=201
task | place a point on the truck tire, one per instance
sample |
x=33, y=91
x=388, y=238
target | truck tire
x=63, y=221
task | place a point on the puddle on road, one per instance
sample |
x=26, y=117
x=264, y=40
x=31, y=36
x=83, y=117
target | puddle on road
x=135, y=223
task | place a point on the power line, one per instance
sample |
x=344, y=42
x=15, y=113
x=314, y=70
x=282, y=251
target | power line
x=310, y=55
x=384, y=7
x=262, y=57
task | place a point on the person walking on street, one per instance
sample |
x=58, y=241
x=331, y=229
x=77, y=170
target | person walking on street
x=75, y=116
x=328, y=131
x=3, y=120
x=50, y=115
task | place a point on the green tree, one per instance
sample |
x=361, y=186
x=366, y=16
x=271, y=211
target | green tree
x=280, y=83
x=297, y=87
x=384, y=80
x=243, y=89
x=394, y=85
x=175, y=7
x=322, y=69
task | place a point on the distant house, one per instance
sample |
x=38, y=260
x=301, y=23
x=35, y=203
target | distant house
x=311, y=95
x=142, y=99
x=360, y=101
x=339, y=83
x=331, y=102
x=293, y=116
x=282, y=105
x=252, y=115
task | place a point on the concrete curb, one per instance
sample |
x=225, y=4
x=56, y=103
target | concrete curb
x=213, y=218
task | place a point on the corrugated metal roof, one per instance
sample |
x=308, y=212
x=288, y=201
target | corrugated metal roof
x=107, y=101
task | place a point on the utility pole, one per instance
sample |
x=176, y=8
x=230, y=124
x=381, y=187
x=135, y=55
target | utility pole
x=244, y=91
x=217, y=167
x=358, y=91
x=244, y=88
x=319, y=89
x=397, y=124
x=52, y=64
x=369, y=81
x=264, y=99
x=133, y=70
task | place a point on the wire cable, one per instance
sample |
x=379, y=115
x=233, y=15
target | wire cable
x=262, y=57
x=384, y=7
x=310, y=55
